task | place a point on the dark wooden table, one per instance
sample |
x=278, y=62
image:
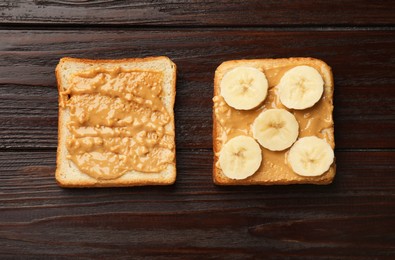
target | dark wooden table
x=354, y=218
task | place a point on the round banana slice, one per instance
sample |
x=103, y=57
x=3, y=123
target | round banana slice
x=244, y=88
x=275, y=129
x=301, y=87
x=240, y=157
x=310, y=156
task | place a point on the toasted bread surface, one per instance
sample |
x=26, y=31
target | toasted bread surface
x=266, y=175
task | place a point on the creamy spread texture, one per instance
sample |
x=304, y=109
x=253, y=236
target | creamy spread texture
x=316, y=120
x=117, y=122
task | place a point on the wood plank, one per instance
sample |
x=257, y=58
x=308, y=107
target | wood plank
x=362, y=62
x=199, y=13
x=354, y=218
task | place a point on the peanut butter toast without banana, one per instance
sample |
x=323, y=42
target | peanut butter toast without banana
x=116, y=122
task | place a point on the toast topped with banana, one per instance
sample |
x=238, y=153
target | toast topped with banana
x=272, y=122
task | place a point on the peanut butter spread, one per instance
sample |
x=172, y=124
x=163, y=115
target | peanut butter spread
x=316, y=120
x=117, y=122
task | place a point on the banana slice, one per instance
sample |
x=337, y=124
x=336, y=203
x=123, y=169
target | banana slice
x=244, y=87
x=301, y=87
x=275, y=129
x=310, y=156
x=240, y=157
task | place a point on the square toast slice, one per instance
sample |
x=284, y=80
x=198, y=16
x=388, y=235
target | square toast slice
x=74, y=75
x=314, y=121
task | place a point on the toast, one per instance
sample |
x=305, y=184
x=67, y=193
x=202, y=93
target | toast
x=274, y=167
x=116, y=122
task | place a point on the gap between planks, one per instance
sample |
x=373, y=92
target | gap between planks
x=281, y=28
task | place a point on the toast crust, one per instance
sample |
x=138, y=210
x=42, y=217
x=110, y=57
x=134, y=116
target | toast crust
x=259, y=177
x=132, y=179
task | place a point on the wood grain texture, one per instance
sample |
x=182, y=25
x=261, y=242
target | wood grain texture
x=363, y=64
x=198, y=13
x=354, y=218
